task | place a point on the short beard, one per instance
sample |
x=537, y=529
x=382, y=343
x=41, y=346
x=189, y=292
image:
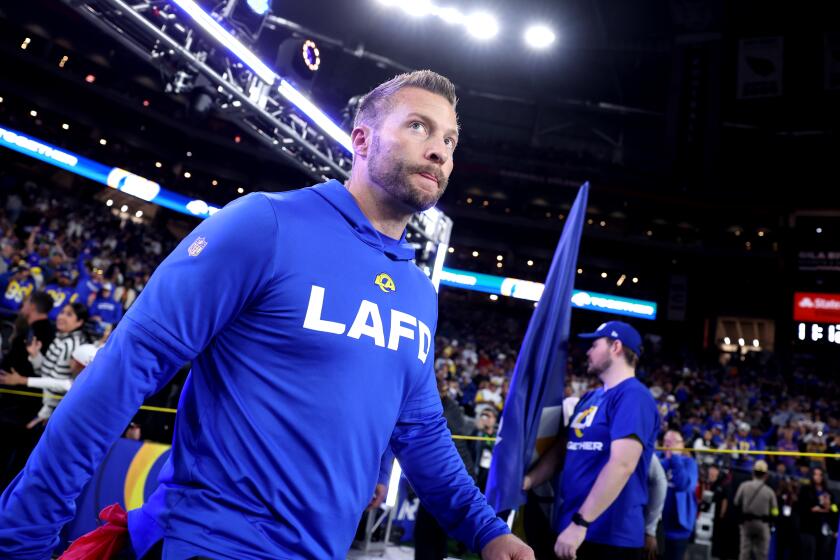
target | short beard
x=595, y=370
x=392, y=174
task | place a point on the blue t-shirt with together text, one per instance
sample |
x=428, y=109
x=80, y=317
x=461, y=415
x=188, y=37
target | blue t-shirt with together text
x=624, y=411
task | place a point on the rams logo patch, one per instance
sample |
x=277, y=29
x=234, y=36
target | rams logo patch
x=385, y=283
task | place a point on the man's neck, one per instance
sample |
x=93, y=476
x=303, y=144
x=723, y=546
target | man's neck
x=387, y=216
x=616, y=375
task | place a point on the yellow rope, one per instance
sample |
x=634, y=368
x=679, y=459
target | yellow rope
x=481, y=438
x=58, y=398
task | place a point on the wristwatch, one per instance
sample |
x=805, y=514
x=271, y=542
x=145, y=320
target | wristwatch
x=578, y=519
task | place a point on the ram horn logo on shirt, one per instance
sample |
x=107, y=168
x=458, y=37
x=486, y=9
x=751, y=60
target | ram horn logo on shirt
x=197, y=247
x=385, y=283
x=583, y=420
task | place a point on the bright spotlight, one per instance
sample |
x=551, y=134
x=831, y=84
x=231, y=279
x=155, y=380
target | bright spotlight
x=417, y=8
x=482, y=25
x=451, y=15
x=539, y=37
x=259, y=6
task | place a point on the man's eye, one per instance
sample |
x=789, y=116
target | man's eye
x=417, y=125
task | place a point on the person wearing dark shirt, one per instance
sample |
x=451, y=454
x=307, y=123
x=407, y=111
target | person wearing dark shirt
x=15, y=410
x=813, y=515
x=430, y=539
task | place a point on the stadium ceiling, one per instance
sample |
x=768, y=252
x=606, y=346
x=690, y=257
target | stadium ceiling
x=604, y=103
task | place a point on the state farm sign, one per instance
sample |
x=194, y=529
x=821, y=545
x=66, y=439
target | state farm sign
x=816, y=308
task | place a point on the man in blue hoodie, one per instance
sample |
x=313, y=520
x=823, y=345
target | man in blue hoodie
x=680, y=511
x=310, y=332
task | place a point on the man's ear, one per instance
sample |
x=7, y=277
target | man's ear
x=360, y=139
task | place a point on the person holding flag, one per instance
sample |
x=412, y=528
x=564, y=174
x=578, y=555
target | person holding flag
x=605, y=456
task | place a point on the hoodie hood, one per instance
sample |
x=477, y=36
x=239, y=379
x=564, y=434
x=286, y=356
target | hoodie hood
x=337, y=195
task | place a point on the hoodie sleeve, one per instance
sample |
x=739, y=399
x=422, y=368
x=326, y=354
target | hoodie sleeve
x=426, y=452
x=210, y=277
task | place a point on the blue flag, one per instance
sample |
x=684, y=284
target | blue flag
x=538, y=379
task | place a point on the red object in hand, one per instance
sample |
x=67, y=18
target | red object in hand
x=105, y=542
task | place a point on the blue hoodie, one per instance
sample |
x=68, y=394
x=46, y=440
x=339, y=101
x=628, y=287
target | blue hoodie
x=680, y=511
x=311, y=343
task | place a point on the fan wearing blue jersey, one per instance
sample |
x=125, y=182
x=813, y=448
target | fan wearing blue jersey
x=606, y=455
x=310, y=332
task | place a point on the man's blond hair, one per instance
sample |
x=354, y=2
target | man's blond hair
x=377, y=103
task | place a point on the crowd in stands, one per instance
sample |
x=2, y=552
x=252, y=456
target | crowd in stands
x=69, y=267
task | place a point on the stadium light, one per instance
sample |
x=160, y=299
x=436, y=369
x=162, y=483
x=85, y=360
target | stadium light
x=314, y=113
x=260, y=7
x=539, y=37
x=212, y=27
x=482, y=25
x=451, y=15
x=417, y=8
x=215, y=30
x=393, y=485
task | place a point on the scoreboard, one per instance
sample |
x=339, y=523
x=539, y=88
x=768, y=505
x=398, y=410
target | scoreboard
x=817, y=318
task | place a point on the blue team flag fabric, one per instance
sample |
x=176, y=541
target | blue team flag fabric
x=538, y=377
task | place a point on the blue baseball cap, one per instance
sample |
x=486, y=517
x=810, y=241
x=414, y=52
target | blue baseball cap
x=618, y=330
